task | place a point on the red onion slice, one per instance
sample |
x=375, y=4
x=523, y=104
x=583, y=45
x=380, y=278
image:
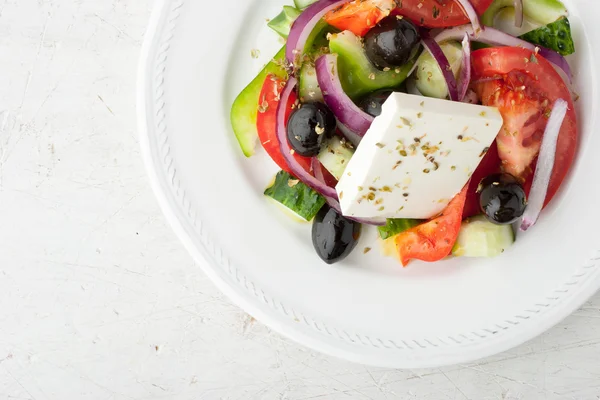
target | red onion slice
x=496, y=37
x=518, y=5
x=436, y=51
x=344, y=109
x=545, y=164
x=465, y=71
x=286, y=150
x=317, y=169
x=472, y=14
x=304, y=25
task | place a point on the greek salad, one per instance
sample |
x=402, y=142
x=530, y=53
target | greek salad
x=447, y=124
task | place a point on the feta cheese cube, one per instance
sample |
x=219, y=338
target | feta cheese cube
x=416, y=157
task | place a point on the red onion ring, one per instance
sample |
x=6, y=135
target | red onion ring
x=436, y=51
x=465, y=71
x=518, y=5
x=545, y=164
x=304, y=25
x=317, y=169
x=472, y=14
x=496, y=37
x=287, y=152
x=344, y=109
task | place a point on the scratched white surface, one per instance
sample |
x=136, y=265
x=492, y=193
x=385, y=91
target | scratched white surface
x=98, y=299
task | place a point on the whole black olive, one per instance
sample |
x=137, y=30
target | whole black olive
x=502, y=198
x=308, y=126
x=372, y=103
x=391, y=43
x=334, y=236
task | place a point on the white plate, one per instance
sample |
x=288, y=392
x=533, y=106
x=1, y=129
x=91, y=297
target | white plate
x=195, y=60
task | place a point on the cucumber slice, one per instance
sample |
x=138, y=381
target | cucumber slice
x=396, y=226
x=430, y=79
x=479, y=237
x=295, y=195
x=244, y=110
x=555, y=36
x=302, y=4
x=283, y=22
x=541, y=11
x=357, y=74
x=308, y=86
x=335, y=156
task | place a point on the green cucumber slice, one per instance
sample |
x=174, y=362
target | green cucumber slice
x=308, y=86
x=302, y=4
x=357, y=74
x=479, y=237
x=396, y=226
x=244, y=110
x=541, y=11
x=335, y=156
x=283, y=22
x=555, y=36
x=429, y=78
x=295, y=195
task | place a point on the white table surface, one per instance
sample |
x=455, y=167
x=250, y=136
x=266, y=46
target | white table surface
x=98, y=298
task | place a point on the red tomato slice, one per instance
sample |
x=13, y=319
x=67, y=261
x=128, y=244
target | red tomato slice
x=439, y=13
x=524, y=87
x=433, y=240
x=266, y=121
x=359, y=16
x=489, y=165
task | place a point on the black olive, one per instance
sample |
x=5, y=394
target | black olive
x=308, y=126
x=371, y=103
x=502, y=198
x=334, y=236
x=391, y=43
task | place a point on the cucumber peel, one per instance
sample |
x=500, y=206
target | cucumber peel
x=283, y=22
x=302, y=4
x=357, y=74
x=394, y=227
x=555, y=36
x=244, y=110
x=295, y=195
x=478, y=237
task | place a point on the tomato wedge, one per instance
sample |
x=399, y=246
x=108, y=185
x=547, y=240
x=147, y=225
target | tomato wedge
x=439, y=13
x=524, y=87
x=266, y=121
x=433, y=240
x=359, y=16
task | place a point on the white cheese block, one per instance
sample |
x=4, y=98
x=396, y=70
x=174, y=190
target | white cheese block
x=416, y=157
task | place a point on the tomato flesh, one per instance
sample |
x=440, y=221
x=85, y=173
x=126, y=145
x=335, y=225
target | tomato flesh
x=359, y=16
x=266, y=122
x=433, y=240
x=524, y=87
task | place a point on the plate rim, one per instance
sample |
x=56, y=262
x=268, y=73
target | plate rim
x=247, y=296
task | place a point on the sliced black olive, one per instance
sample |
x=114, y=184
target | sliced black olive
x=308, y=126
x=372, y=103
x=502, y=198
x=334, y=236
x=391, y=43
